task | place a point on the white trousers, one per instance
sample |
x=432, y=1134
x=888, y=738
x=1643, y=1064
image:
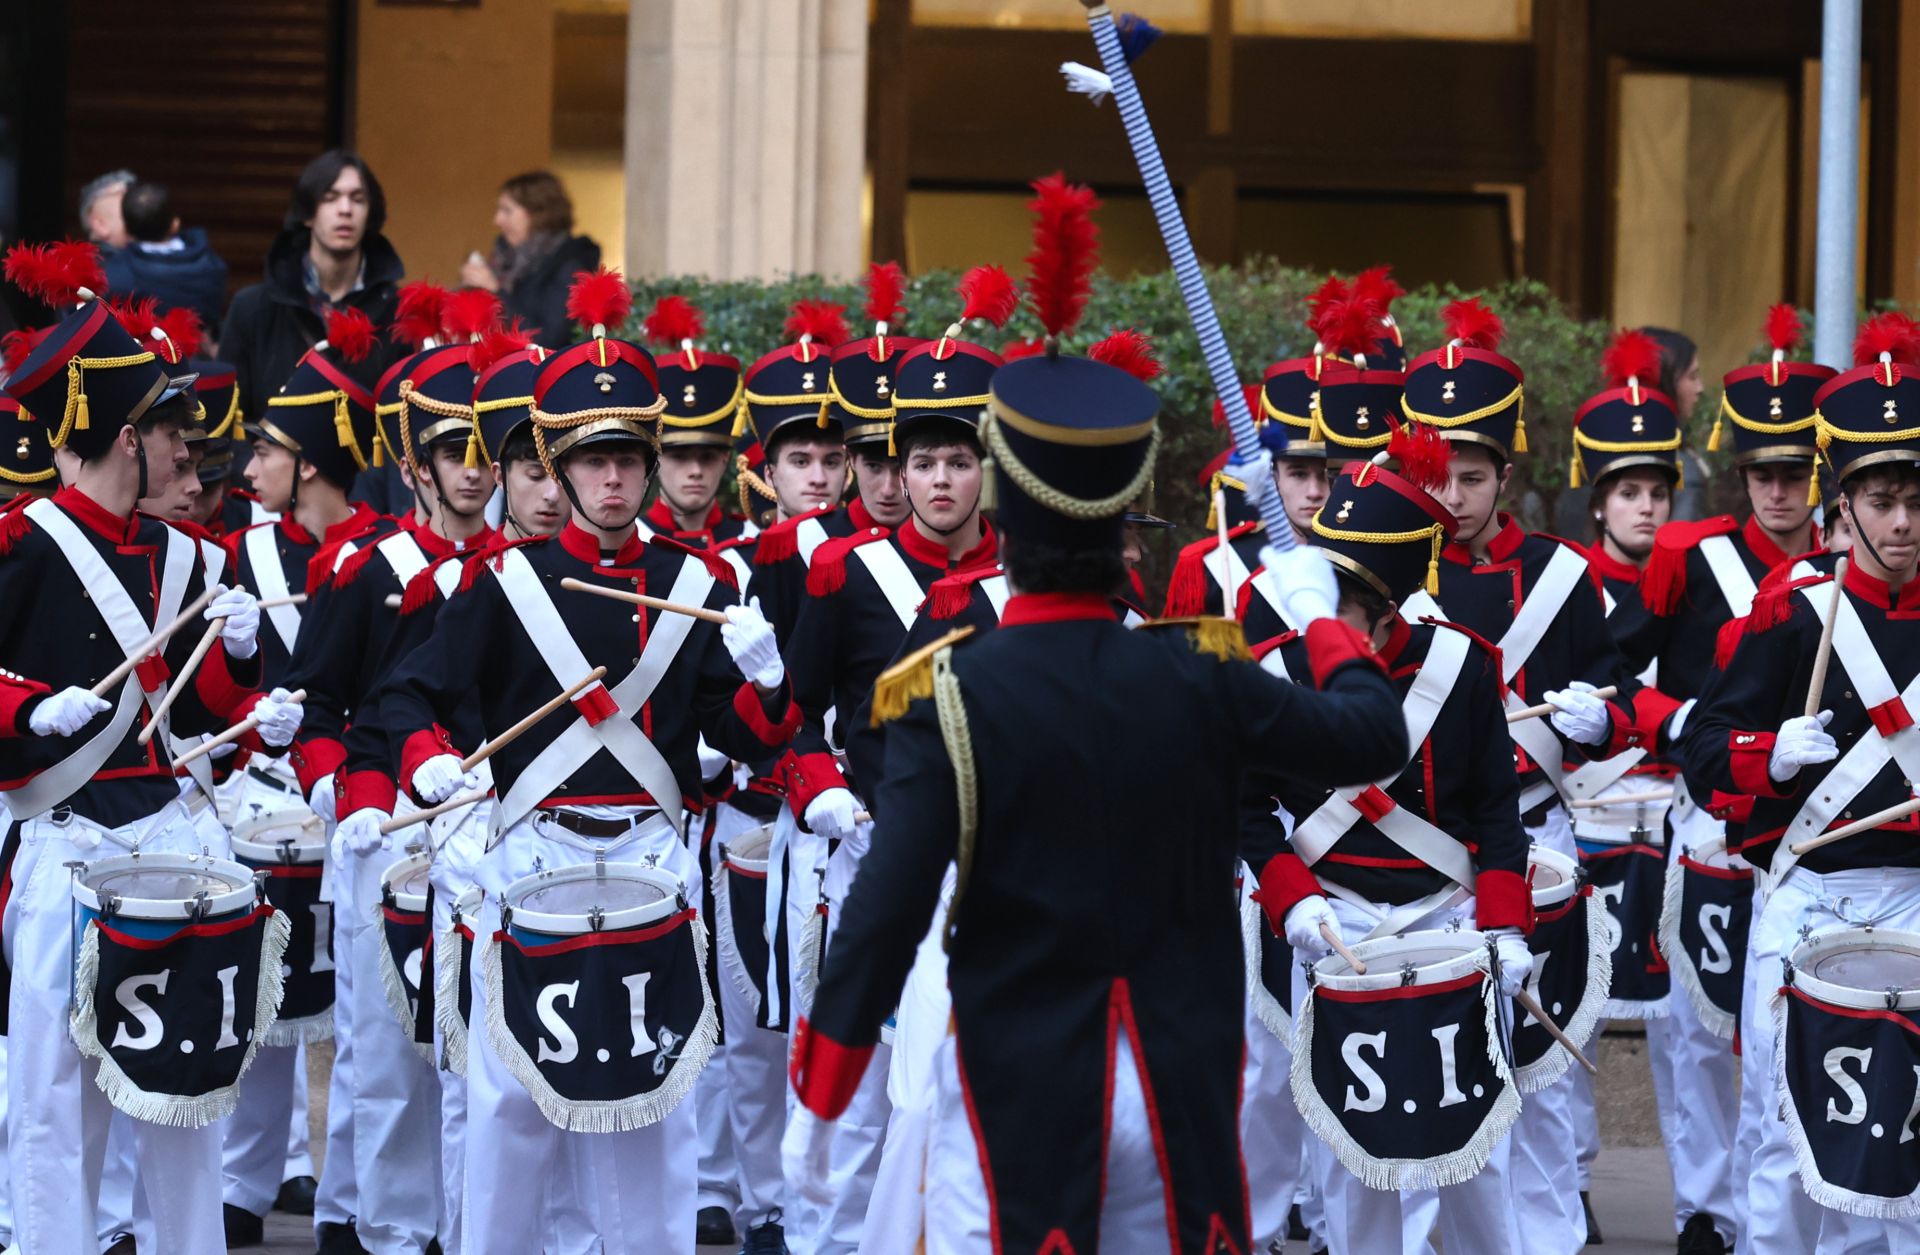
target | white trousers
x=1271, y=1132
x=57, y=1117
x=338, y=1198
x=1703, y=1097
x=254, y=1155
x=528, y=1180
x=1780, y=1218
x=459, y=842
x=1133, y=1209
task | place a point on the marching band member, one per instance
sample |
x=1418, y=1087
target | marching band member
x=702, y=389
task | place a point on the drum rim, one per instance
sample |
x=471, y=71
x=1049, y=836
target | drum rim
x=405, y=900
x=1553, y=895
x=243, y=832
x=574, y=925
x=1382, y=974
x=749, y=864
x=242, y=897
x=1704, y=851
x=1813, y=986
x=304, y=853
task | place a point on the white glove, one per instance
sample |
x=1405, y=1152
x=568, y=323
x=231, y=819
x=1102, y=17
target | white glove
x=1801, y=743
x=66, y=712
x=241, y=632
x=279, y=717
x=359, y=833
x=1516, y=960
x=320, y=801
x=1678, y=719
x=1578, y=715
x=1303, y=921
x=804, y=1156
x=749, y=638
x=712, y=761
x=831, y=814
x=1256, y=473
x=440, y=777
x=1304, y=577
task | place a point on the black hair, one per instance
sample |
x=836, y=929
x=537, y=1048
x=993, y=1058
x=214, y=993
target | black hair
x=178, y=410
x=311, y=188
x=1363, y=596
x=1892, y=475
x=937, y=433
x=148, y=212
x=1035, y=566
x=518, y=447
x=1677, y=352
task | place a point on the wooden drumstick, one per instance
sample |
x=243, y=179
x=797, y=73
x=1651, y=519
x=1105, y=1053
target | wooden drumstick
x=1332, y=938
x=1547, y=708
x=1819, y=682
x=234, y=733
x=641, y=599
x=1625, y=799
x=144, y=649
x=432, y=812
x=494, y=744
x=274, y=603
x=186, y=673
x=1900, y=811
x=1532, y=1007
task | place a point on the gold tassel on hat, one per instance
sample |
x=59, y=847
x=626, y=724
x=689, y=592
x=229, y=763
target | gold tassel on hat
x=1713, y=437
x=82, y=419
x=893, y=450
x=1519, y=435
x=822, y=420
x=1813, y=486
x=989, y=485
x=1433, y=562
x=473, y=447
x=1576, y=475
x=741, y=420
x=379, y=446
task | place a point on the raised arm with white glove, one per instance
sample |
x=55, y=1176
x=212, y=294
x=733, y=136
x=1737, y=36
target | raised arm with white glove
x=749, y=639
x=241, y=610
x=1802, y=742
x=65, y=712
x=1304, y=577
x=1578, y=715
x=279, y=717
x=440, y=777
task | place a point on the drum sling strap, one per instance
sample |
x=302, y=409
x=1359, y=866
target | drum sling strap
x=808, y=535
x=1315, y=835
x=270, y=581
x=1729, y=573
x=1865, y=758
x=897, y=585
x=1224, y=565
x=1264, y=584
x=618, y=735
x=130, y=630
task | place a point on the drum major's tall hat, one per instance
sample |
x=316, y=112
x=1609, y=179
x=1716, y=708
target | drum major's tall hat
x=702, y=387
x=1870, y=416
x=1629, y=423
x=1465, y=388
x=1770, y=405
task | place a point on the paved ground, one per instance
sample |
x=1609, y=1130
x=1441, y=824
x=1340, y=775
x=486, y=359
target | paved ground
x=1631, y=1186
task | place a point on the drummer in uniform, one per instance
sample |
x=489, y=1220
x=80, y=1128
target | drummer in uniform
x=1748, y=735
x=219, y=398
x=1095, y=954
x=115, y=421
x=702, y=389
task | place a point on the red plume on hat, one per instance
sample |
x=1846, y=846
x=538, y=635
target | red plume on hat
x=350, y=333
x=1014, y=350
x=495, y=343
x=675, y=320
x=173, y=337
x=1423, y=453
x=1783, y=329
x=17, y=346
x=59, y=274
x=985, y=292
x=417, y=315
x=599, y=300
x=1378, y=285
x=1891, y=335
x=1066, y=248
x=817, y=322
x=1332, y=288
x=1472, y=325
x=1347, y=326
x=886, y=286
x=1632, y=359
x=1129, y=350
x=469, y=314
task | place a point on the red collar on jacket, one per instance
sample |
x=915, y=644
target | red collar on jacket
x=933, y=553
x=861, y=517
x=1880, y=593
x=1505, y=541
x=659, y=516
x=583, y=545
x=437, y=546
x=1024, y=608
x=110, y=526
x=361, y=518
x=1770, y=554
x=1610, y=567
x=1396, y=641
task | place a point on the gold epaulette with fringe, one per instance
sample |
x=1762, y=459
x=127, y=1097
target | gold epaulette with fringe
x=910, y=678
x=1209, y=634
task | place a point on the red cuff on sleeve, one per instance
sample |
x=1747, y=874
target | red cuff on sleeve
x=596, y=705
x=825, y=1073
x=1284, y=882
x=17, y=698
x=418, y=748
x=220, y=690
x=807, y=776
x=1651, y=710
x=1748, y=756
x=1331, y=645
x=362, y=790
x=753, y=712
x=1626, y=732
x=1502, y=900
x=314, y=759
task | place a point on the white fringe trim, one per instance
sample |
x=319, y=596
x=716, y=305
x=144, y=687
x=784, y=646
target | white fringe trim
x=619, y=1115
x=1266, y=1008
x=1534, y=1077
x=446, y=1000
x=178, y=1111
x=810, y=958
x=1408, y=1174
x=395, y=985
x=1721, y=1023
x=724, y=940
x=312, y=1028
x=1821, y=1191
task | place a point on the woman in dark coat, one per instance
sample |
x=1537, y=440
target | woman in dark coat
x=535, y=256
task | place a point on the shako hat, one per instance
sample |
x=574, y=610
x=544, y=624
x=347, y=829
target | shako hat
x=1385, y=527
x=1465, y=388
x=1870, y=416
x=324, y=412
x=702, y=388
x=505, y=362
x=864, y=371
x=791, y=385
x=436, y=390
x=1628, y=423
x=1770, y=404
x=946, y=381
x=603, y=389
x=26, y=459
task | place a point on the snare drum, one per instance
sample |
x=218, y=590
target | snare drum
x=1572, y=967
x=176, y=979
x=1643, y=821
x=609, y=961
x=1704, y=920
x=1404, y=1079
x=287, y=851
x=740, y=916
x=406, y=928
x=1848, y=1055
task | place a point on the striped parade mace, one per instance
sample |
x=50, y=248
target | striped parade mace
x=1186, y=267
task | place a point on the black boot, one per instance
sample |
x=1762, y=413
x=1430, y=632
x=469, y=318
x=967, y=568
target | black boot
x=714, y=1227
x=296, y=1196
x=1296, y=1226
x=1699, y=1237
x=338, y=1239
x=1594, y=1236
x=122, y=1245
x=243, y=1227
x=766, y=1238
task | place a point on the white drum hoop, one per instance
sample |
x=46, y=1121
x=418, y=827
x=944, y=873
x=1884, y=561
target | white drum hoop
x=1553, y=877
x=101, y=888
x=466, y=907
x=1817, y=965
x=1713, y=853
x=748, y=851
x=398, y=881
x=1428, y=957
x=669, y=899
x=304, y=839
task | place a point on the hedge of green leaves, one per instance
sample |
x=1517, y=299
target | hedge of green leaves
x=1262, y=308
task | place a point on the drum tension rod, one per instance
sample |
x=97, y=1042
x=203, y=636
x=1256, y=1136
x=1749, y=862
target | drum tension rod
x=1893, y=997
x=286, y=851
x=596, y=918
x=1408, y=974
x=109, y=905
x=200, y=906
x=506, y=917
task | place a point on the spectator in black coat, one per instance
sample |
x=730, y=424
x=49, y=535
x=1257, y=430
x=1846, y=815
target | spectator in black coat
x=178, y=268
x=330, y=253
x=536, y=256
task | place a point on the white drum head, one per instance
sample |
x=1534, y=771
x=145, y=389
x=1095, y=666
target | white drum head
x=592, y=898
x=293, y=835
x=406, y=880
x=1867, y=968
x=1429, y=957
x=166, y=886
x=1554, y=877
x=748, y=851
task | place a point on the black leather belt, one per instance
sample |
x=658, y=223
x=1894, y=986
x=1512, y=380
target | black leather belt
x=588, y=826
